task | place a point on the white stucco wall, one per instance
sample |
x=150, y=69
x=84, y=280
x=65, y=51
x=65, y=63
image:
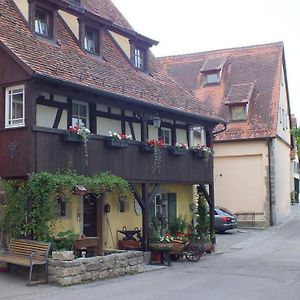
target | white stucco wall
x=282, y=180
x=23, y=7
x=240, y=173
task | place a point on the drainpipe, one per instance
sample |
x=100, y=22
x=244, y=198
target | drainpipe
x=270, y=142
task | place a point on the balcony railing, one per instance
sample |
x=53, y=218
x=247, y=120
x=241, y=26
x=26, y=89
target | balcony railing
x=132, y=161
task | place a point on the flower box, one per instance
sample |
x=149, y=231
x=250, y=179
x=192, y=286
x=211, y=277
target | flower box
x=73, y=137
x=201, y=154
x=178, y=151
x=116, y=143
x=147, y=148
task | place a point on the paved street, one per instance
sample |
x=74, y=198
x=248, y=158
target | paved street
x=248, y=264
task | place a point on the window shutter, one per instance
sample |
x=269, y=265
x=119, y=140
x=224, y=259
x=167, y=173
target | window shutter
x=172, y=207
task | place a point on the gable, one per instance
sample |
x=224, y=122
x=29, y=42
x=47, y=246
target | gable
x=250, y=77
x=10, y=70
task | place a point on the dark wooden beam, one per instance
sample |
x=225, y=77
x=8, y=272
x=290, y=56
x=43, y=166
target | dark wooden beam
x=145, y=218
x=58, y=117
x=132, y=130
x=137, y=196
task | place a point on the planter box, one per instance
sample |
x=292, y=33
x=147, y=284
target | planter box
x=178, y=151
x=161, y=247
x=73, y=137
x=201, y=154
x=116, y=143
x=146, y=148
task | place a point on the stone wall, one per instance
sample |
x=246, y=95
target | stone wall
x=65, y=270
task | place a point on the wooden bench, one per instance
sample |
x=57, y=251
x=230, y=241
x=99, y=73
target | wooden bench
x=27, y=253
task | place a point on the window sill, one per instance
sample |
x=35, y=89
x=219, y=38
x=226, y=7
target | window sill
x=211, y=84
x=14, y=127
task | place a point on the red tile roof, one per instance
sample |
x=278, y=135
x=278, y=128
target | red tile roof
x=250, y=74
x=107, y=10
x=113, y=74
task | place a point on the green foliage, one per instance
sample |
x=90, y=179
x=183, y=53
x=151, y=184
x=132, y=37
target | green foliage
x=178, y=226
x=15, y=213
x=32, y=208
x=296, y=134
x=66, y=240
x=202, y=215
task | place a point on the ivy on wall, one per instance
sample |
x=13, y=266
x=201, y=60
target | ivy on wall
x=31, y=209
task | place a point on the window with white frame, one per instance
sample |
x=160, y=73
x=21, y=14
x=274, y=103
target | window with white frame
x=139, y=58
x=166, y=135
x=15, y=106
x=80, y=114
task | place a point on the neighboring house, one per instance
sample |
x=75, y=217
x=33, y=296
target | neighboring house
x=247, y=86
x=69, y=62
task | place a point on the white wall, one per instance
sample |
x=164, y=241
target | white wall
x=240, y=173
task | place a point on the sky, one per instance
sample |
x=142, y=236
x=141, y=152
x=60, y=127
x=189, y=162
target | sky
x=187, y=26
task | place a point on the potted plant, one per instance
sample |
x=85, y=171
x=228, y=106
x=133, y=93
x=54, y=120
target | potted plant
x=118, y=140
x=79, y=134
x=202, y=151
x=160, y=240
x=179, y=149
x=154, y=146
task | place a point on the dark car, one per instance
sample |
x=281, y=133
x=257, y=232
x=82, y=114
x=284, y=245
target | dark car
x=224, y=220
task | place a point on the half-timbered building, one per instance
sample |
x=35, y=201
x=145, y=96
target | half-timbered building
x=69, y=62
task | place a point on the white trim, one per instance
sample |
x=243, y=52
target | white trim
x=8, y=118
x=87, y=111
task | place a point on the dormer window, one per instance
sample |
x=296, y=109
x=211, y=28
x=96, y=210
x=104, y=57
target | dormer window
x=212, y=78
x=90, y=36
x=91, y=40
x=238, y=112
x=139, y=57
x=212, y=70
x=238, y=99
x=42, y=19
x=41, y=22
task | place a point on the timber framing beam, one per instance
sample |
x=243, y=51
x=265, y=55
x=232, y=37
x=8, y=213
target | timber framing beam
x=144, y=200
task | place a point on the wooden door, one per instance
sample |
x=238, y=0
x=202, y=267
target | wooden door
x=90, y=215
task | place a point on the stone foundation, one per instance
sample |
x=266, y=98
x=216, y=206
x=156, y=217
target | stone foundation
x=79, y=270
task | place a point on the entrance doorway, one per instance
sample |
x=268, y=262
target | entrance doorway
x=90, y=215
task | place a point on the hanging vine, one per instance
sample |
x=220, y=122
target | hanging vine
x=31, y=209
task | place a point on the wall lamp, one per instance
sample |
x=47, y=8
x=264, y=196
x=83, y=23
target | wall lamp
x=156, y=121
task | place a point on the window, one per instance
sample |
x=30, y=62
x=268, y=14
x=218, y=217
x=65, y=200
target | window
x=139, y=58
x=79, y=114
x=161, y=206
x=166, y=135
x=43, y=22
x=91, y=40
x=211, y=78
x=15, y=106
x=238, y=112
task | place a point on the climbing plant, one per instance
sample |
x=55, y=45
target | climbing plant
x=32, y=207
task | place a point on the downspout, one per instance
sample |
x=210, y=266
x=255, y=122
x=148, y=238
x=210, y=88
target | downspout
x=221, y=130
x=269, y=142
